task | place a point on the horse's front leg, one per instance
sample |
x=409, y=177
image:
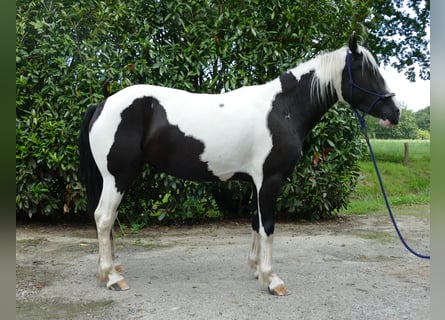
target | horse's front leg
x=254, y=253
x=267, y=276
x=263, y=224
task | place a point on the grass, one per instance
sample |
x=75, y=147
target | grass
x=405, y=184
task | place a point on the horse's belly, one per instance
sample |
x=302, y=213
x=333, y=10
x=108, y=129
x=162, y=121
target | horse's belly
x=226, y=159
x=192, y=158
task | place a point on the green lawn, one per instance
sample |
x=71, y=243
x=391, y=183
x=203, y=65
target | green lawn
x=405, y=185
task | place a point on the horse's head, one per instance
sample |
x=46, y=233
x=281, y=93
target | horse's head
x=364, y=88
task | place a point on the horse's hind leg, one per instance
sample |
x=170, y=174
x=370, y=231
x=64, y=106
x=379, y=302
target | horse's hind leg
x=105, y=215
x=119, y=268
x=254, y=253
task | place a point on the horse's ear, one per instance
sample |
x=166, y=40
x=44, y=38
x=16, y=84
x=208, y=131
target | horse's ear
x=353, y=42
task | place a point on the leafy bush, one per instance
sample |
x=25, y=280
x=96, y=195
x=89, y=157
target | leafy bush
x=157, y=197
x=68, y=54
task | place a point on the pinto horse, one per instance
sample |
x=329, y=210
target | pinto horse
x=254, y=134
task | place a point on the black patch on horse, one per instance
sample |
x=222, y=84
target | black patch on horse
x=144, y=135
x=288, y=82
x=283, y=123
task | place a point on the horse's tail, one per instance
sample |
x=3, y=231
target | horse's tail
x=89, y=171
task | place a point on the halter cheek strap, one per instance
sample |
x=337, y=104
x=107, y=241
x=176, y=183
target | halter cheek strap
x=352, y=85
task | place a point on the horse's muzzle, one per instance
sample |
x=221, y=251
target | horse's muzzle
x=390, y=118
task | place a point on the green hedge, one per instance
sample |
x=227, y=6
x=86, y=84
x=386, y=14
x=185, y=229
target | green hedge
x=68, y=54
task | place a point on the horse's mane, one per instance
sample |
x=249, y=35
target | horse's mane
x=328, y=69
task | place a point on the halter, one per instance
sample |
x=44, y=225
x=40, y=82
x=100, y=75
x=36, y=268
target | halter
x=352, y=85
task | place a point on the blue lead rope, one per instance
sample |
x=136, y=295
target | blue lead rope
x=364, y=130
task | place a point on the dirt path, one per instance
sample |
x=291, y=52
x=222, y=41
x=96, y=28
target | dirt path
x=353, y=268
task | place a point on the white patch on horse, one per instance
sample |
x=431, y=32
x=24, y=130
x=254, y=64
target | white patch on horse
x=236, y=137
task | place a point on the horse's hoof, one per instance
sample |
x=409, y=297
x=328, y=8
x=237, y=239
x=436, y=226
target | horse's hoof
x=279, y=290
x=119, y=286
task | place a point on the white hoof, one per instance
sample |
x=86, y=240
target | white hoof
x=117, y=283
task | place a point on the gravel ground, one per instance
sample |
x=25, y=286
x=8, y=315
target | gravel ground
x=350, y=268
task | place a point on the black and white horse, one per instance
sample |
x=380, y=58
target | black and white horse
x=254, y=133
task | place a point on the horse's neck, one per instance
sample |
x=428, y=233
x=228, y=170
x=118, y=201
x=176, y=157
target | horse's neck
x=305, y=109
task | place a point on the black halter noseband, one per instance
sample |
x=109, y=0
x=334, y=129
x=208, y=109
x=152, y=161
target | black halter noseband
x=352, y=85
